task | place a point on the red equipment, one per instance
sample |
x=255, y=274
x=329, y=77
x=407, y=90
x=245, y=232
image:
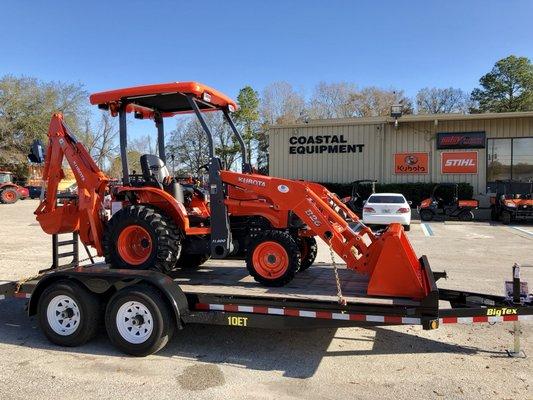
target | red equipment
x=159, y=224
x=9, y=191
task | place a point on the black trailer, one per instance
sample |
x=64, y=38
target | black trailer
x=141, y=309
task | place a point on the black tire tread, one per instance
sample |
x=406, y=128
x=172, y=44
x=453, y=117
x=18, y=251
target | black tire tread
x=8, y=189
x=167, y=232
x=309, y=259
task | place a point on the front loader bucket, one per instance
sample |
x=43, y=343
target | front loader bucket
x=397, y=271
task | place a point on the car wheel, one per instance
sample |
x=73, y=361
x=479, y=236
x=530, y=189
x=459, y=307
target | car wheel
x=407, y=228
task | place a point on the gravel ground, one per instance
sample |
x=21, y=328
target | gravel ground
x=455, y=361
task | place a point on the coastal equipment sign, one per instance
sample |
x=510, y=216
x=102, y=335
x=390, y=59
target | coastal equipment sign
x=317, y=144
x=461, y=162
x=411, y=163
x=461, y=140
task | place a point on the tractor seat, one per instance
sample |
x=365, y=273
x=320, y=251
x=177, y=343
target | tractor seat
x=154, y=173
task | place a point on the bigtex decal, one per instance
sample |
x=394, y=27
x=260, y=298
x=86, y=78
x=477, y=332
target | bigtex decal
x=498, y=312
x=322, y=144
x=460, y=162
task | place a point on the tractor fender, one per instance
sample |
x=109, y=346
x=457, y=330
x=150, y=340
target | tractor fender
x=162, y=200
x=105, y=282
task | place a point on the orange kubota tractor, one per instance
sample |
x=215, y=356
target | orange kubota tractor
x=158, y=224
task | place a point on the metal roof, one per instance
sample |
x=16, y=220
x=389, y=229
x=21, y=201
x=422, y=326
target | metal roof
x=405, y=118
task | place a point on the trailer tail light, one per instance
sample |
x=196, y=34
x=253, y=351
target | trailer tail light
x=369, y=210
x=403, y=210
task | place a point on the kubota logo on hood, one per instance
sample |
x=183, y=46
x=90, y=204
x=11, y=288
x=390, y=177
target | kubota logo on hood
x=251, y=181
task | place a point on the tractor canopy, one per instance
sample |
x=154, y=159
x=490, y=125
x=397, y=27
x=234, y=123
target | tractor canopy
x=166, y=99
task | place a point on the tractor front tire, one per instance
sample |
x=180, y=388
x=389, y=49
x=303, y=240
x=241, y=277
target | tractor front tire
x=140, y=237
x=308, y=251
x=426, y=215
x=273, y=258
x=9, y=196
x=466, y=216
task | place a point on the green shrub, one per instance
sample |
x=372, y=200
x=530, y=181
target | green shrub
x=415, y=192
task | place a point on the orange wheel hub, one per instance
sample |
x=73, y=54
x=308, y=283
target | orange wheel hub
x=270, y=260
x=9, y=196
x=134, y=245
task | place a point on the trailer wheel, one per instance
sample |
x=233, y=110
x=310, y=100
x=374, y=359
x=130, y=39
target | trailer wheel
x=506, y=217
x=9, y=196
x=139, y=237
x=138, y=321
x=308, y=250
x=191, y=261
x=273, y=258
x=68, y=314
x=426, y=215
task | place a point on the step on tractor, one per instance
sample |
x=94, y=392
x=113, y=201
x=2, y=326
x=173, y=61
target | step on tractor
x=10, y=192
x=444, y=204
x=513, y=202
x=359, y=195
x=156, y=223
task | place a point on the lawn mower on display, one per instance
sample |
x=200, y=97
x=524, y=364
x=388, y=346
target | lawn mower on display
x=444, y=204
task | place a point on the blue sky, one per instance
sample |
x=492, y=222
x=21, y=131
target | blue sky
x=229, y=44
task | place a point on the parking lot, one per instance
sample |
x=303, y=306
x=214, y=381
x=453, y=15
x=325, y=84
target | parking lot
x=455, y=361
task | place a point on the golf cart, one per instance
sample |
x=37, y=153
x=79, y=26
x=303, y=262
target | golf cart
x=444, y=203
x=356, y=201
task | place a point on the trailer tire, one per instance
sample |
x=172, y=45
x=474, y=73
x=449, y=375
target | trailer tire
x=308, y=250
x=9, y=196
x=138, y=320
x=191, y=261
x=81, y=320
x=140, y=237
x=506, y=217
x=273, y=258
x=426, y=215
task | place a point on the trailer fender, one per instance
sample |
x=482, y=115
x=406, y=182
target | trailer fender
x=101, y=282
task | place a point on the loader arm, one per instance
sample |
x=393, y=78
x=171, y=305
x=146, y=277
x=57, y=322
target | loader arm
x=388, y=259
x=84, y=213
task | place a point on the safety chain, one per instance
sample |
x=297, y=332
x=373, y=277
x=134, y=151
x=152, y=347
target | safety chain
x=342, y=300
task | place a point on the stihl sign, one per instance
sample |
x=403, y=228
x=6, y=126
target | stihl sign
x=463, y=162
x=460, y=140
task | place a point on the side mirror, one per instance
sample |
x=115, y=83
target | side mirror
x=36, y=152
x=410, y=202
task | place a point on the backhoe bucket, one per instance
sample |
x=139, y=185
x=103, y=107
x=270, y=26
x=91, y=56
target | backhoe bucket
x=397, y=271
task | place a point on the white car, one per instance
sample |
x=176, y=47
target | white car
x=386, y=208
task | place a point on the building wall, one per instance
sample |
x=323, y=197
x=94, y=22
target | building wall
x=381, y=142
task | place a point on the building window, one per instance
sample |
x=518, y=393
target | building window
x=509, y=159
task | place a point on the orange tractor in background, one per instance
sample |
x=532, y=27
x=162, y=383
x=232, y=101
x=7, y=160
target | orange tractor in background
x=159, y=224
x=10, y=192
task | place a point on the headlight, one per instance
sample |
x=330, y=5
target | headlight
x=510, y=204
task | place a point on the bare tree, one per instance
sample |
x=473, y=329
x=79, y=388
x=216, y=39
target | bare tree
x=373, y=101
x=438, y=101
x=102, y=143
x=280, y=104
x=188, y=146
x=333, y=100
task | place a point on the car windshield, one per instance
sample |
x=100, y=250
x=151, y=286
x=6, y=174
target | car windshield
x=386, y=199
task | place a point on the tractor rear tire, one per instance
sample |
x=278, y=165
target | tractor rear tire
x=426, y=215
x=191, y=262
x=140, y=237
x=273, y=258
x=506, y=217
x=308, y=251
x=8, y=196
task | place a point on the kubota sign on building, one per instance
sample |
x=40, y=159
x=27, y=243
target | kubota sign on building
x=411, y=163
x=461, y=162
